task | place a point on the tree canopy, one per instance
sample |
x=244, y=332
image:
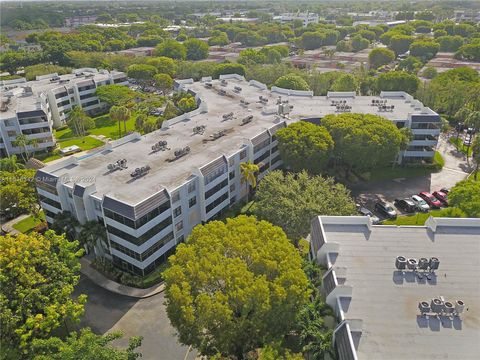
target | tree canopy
x=172, y=49
x=85, y=345
x=234, y=286
x=292, y=200
x=398, y=81
x=115, y=94
x=363, y=141
x=196, y=49
x=17, y=190
x=465, y=195
x=379, y=57
x=38, y=274
x=292, y=81
x=304, y=145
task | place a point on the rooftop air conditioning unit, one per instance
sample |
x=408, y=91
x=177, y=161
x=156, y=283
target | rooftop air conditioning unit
x=434, y=263
x=400, y=262
x=423, y=263
x=449, y=309
x=437, y=305
x=411, y=264
x=424, y=307
x=459, y=306
x=247, y=119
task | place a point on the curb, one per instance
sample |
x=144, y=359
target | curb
x=112, y=286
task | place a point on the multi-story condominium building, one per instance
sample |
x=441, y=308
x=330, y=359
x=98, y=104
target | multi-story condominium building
x=34, y=107
x=400, y=292
x=150, y=191
x=306, y=18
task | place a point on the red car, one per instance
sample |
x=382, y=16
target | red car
x=443, y=197
x=430, y=199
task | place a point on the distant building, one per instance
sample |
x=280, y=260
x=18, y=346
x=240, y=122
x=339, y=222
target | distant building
x=138, y=51
x=77, y=21
x=305, y=18
x=33, y=108
x=391, y=299
x=467, y=15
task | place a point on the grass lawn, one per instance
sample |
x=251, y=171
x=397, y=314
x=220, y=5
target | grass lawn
x=460, y=146
x=28, y=224
x=84, y=143
x=415, y=219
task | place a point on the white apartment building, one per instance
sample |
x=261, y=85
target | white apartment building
x=149, y=191
x=306, y=18
x=35, y=107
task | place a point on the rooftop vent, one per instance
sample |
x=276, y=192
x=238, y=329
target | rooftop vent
x=263, y=99
x=64, y=81
x=55, y=78
x=181, y=152
x=218, y=134
x=139, y=172
x=89, y=76
x=79, y=74
x=222, y=92
x=237, y=89
x=228, y=116
x=247, y=119
x=199, y=130
x=160, y=146
x=437, y=305
x=244, y=102
x=223, y=82
x=208, y=85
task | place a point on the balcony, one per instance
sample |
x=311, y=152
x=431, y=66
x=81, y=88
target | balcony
x=419, y=153
x=433, y=132
x=424, y=143
x=34, y=125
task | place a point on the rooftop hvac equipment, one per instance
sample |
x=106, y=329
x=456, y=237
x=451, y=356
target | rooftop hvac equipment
x=284, y=109
x=244, y=102
x=237, y=89
x=400, y=263
x=55, y=78
x=119, y=165
x=434, y=263
x=160, y=146
x=79, y=74
x=423, y=263
x=88, y=76
x=459, y=306
x=227, y=116
x=247, y=119
x=199, y=130
x=3, y=106
x=182, y=152
x=208, y=85
x=437, y=305
x=338, y=102
x=279, y=100
x=222, y=92
x=263, y=99
x=223, y=82
x=411, y=264
x=424, y=307
x=449, y=309
x=138, y=172
x=218, y=134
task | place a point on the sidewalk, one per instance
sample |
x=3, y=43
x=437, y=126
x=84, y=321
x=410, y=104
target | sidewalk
x=8, y=226
x=115, y=287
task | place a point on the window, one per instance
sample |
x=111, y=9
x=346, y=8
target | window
x=11, y=133
x=262, y=157
x=192, y=202
x=60, y=95
x=215, y=174
x=216, y=188
x=243, y=154
x=70, y=193
x=179, y=225
x=231, y=175
x=191, y=187
x=135, y=224
x=147, y=253
x=97, y=205
x=175, y=196
x=231, y=161
x=50, y=202
x=261, y=145
x=180, y=239
x=274, y=149
x=143, y=238
x=9, y=123
x=232, y=200
x=217, y=202
x=232, y=188
x=177, y=212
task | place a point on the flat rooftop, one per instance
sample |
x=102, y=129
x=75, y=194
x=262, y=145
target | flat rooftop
x=171, y=174
x=387, y=300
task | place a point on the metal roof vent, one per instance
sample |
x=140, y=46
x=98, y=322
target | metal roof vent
x=400, y=263
x=218, y=134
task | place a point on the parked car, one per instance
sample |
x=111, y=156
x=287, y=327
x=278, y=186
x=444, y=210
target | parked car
x=365, y=212
x=386, y=209
x=406, y=205
x=443, y=197
x=430, y=199
x=467, y=142
x=420, y=203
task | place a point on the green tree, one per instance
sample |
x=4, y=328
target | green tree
x=10, y=164
x=469, y=52
x=249, y=172
x=304, y=145
x=120, y=113
x=429, y=72
x=345, y=82
x=26, y=144
x=172, y=49
x=476, y=154
x=400, y=43
x=79, y=122
x=359, y=43
x=164, y=65
x=65, y=223
x=465, y=195
x=379, y=57
x=410, y=64
x=363, y=141
x=196, y=49
x=252, y=56
x=312, y=40
x=164, y=82
x=292, y=81
x=450, y=43
x=234, y=286
x=85, y=345
x=227, y=68
x=17, y=192
x=91, y=233
x=115, y=94
x=142, y=72
x=424, y=49
x=187, y=104
x=140, y=121
x=38, y=274
x=398, y=81
x=292, y=200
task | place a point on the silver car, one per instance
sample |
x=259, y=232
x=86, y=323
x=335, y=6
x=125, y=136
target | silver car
x=420, y=203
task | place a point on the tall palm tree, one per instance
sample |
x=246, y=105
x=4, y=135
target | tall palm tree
x=472, y=120
x=65, y=223
x=91, y=232
x=24, y=142
x=249, y=173
x=120, y=113
x=77, y=121
x=10, y=164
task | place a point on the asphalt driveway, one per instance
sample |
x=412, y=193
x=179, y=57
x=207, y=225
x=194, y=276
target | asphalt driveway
x=106, y=311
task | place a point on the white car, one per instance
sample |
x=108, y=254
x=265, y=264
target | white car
x=420, y=203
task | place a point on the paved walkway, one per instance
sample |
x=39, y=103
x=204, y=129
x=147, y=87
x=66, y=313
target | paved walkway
x=115, y=287
x=8, y=226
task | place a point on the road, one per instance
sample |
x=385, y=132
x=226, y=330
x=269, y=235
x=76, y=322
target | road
x=106, y=312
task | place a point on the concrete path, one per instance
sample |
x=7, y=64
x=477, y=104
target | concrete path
x=110, y=285
x=8, y=226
